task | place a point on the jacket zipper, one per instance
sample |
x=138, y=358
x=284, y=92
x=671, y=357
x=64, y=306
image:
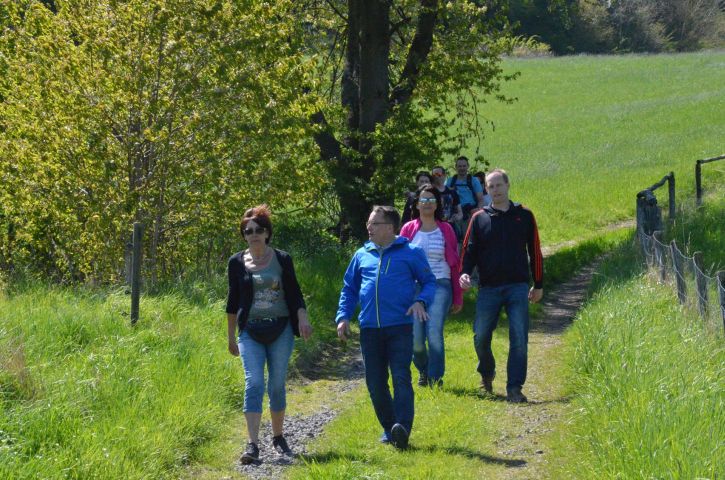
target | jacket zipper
x=377, y=278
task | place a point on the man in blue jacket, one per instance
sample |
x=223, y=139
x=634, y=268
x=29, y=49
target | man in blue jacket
x=382, y=278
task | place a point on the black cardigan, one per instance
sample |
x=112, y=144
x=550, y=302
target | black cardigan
x=241, y=289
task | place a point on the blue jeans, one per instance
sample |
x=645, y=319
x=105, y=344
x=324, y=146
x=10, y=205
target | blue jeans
x=276, y=355
x=389, y=348
x=433, y=360
x=514, y=298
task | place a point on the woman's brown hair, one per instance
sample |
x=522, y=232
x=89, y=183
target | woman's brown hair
x=261, y=216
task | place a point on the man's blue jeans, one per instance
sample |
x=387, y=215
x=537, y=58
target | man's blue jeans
x=514, y=298
x=432, y=361
x=389, y=348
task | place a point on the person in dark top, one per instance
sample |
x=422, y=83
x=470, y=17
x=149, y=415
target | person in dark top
x=423, y=178
x=450, y=204
x=265, y=304
x=481, y=176
x=502, y=241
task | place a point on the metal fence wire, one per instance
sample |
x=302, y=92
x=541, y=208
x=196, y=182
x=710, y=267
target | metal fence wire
x=694, y=287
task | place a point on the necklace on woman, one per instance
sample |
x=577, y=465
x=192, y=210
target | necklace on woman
x=261, y=258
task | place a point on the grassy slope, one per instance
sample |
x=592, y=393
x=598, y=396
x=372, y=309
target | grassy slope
x=588, y=132
x=646, y=375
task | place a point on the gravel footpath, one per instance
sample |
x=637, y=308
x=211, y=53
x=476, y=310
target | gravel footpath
x=300, y=430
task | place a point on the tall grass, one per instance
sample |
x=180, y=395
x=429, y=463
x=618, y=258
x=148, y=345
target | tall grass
x=649, y=388
x=647, y=374
x=84, y=395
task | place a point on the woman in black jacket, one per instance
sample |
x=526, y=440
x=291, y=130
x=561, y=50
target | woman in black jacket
x=265, y=304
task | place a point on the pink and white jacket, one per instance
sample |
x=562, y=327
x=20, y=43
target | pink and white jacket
x=411, y=228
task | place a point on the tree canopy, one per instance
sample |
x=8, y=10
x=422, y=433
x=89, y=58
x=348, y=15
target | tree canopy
x=182, y=113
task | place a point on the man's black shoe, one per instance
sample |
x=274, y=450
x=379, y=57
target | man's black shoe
x=399, y=436
x=423, y=379
x=280, y=445
x=251, y=454
x=487, y=384
x=515, y=396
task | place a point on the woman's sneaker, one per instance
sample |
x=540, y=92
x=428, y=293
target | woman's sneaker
x=280, y=445
x=251, y=454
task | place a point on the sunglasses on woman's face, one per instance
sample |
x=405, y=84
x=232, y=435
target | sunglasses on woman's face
x=427, y=200
x=257, y=230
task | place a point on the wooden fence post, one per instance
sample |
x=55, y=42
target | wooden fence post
x=698, y=183
x=721, y=294
x=679, y=273
x=701, y=285
x=136, y=271
x=671, y=189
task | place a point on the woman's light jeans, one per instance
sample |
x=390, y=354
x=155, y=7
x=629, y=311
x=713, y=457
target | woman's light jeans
x=254, y=356
x=430, y=359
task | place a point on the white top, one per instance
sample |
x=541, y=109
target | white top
x=434, y=246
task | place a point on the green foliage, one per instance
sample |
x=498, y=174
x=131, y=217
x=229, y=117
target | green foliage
x=703, y=230
x=462, y=72
x=599, y=26
x=177, y=113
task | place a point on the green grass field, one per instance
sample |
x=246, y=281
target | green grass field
x=588, y=132
x=84, y=395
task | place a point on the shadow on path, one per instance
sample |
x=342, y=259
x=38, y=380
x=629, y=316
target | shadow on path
x=331, y=456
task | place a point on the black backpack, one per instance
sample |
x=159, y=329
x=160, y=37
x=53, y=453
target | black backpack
x=451, y=183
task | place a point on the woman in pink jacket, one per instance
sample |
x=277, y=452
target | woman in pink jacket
x=438, y=240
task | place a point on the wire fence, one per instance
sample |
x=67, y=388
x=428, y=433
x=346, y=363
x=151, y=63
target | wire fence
x=695, y=289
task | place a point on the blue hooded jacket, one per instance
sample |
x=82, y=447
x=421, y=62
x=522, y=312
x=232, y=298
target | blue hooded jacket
x=385, y=286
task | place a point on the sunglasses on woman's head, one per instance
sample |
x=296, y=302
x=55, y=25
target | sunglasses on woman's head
x=257, y=230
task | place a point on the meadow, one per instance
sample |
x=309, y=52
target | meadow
x=85, y=395
x=588, y=132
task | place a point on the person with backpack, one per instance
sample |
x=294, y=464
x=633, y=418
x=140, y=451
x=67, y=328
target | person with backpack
x=469, y=190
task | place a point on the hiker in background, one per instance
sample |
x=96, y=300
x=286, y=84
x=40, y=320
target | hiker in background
x=392, y=283
x=469, y=190
x=437, y=239
x=502, y=241
x=481, y=176
x=450, y=204
x=423, y=178
x=265, y=304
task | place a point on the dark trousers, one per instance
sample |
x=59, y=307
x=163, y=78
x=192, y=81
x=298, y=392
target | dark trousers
x=514, y=297
x=383, y=349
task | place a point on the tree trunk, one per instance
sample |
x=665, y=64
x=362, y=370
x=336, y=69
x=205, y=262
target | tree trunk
x=365, y=88
x=366, y=95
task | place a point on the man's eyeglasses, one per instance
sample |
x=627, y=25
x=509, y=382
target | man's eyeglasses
x=257, y=230
x=427, y=200
x=375, y=224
